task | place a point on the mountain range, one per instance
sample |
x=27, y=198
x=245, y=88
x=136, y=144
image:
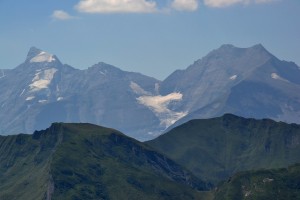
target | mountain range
x=243, y=158
x=248, y=82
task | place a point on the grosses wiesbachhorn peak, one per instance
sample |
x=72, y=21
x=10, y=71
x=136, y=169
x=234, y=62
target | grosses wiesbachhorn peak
x=249, y=82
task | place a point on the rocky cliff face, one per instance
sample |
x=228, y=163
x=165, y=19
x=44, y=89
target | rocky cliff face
x=248, y=82
x=42, y=90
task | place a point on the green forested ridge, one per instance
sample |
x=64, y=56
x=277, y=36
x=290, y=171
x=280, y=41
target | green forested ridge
x=84, y=161
x=281, y=184
x=215, y=149
x=25, y=165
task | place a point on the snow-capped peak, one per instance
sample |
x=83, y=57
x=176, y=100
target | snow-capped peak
x=36, y=55
x=42, y=57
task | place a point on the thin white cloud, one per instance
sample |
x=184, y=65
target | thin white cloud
x=222, y=3
x=265, y=1
x=185, y=5
x=61, y=15
x=147, y=6
x=225, y=3
x=116, y=6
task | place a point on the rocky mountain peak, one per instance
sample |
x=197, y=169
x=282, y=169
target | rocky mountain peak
x=258, y=46
x=36, y=55
x=227, y=47
x=233, y=58
x=33, y=51
x=105, y=67
x=248, y=82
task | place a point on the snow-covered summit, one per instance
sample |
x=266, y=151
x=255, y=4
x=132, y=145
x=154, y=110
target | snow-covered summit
x=36, y=55
x=43, y=57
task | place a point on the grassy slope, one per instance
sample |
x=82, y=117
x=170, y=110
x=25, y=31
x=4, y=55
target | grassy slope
x=83, y=161
x=262, y=185
x=89, y=165
x=24, y=165
x=214, y=149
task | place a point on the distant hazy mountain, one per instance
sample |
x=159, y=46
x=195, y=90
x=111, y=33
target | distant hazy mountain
x=42, y=90
x=84, y=161
x=249, y=82
x=215, y=149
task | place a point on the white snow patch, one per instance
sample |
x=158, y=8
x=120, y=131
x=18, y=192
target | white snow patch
x=22, y=92
x=59, y=98
x=277, y=77
x=3, y=75
x=159, y=105
x=233, y=77
x=171, y=117
x=156, y=86
x=57, y=88
x=138, y=89
x=43, y=57
x=103, y=73
x=30, y=98
x=42, y=101
x=42, y=79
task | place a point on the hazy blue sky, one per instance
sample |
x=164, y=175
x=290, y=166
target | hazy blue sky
x=147, y=36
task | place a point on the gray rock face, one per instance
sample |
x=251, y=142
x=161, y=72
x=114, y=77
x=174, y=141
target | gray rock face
x=42, y=90
x=249, y=82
